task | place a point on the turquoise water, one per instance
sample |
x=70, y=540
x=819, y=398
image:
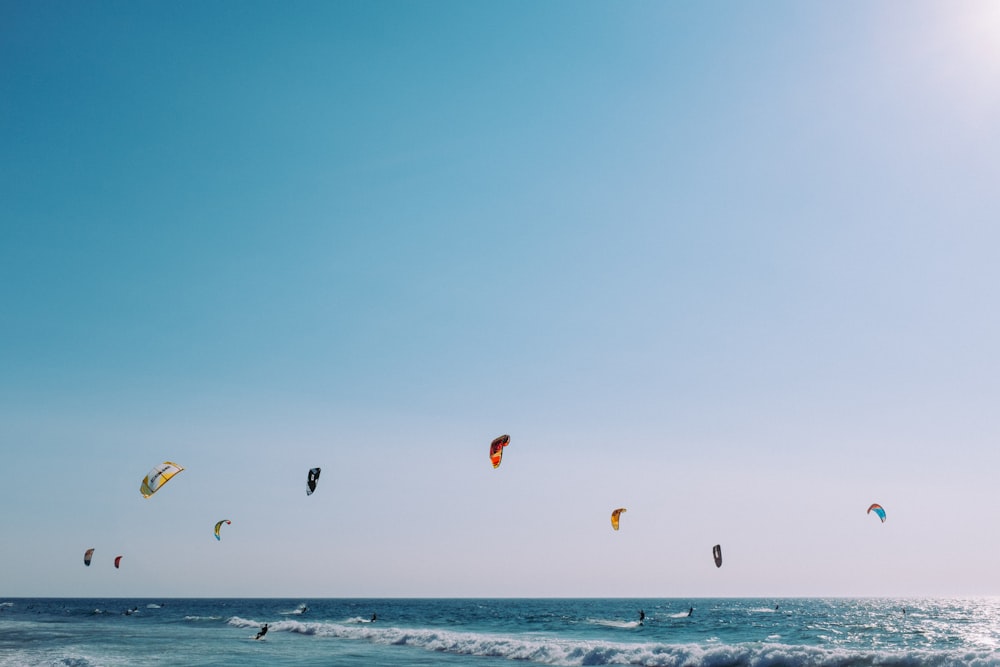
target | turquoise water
x=418, y=632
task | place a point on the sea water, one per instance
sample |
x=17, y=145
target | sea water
x=488, y=632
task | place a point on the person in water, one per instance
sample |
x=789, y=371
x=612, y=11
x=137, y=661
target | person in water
x=374, y=617
x=690, y=611
x=263, y=631
x=642, y=616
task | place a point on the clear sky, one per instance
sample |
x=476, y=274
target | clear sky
x=733, y=266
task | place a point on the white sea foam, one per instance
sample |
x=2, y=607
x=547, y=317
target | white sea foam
x=574, y=653
x=613, y=623
x=301, y=609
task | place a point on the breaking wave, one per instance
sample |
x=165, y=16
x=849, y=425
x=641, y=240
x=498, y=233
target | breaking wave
x=574, y=653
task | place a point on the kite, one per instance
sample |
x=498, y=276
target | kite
x=878, y=510
x=218, y=527
x=87, y=556
x=311, y=480
x=717, y=555
x=118, y=560
x=614, y=517
x=157, y=477
x=496, y=449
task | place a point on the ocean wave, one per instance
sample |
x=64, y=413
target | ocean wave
x=201, y=619
x=614, y=623
x=301, y=609
x=580, y=653
x=46, y=659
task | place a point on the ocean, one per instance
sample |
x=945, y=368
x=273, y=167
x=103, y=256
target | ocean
x=492, y=632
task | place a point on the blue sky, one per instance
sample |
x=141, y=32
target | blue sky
x=730, y=266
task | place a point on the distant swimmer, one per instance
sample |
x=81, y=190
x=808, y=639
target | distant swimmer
x=642, y=616
x=263, y=631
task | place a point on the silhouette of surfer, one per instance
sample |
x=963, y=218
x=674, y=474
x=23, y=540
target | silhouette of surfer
x=642, y=616
x=374, y=617
x=263, y=631
x=690, y=611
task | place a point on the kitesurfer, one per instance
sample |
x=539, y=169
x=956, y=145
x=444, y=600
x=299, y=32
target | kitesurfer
x=642, y=616
x=690, y=611
x=374, y=617
x=263, y=631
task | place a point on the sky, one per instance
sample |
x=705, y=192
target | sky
x=732, y=266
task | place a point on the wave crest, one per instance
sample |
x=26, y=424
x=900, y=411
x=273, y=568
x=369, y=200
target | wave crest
x=582, y=653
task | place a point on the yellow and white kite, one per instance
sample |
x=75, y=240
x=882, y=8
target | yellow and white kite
x=157, y=477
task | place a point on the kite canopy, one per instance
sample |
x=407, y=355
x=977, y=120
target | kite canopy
x=496, y=449
x=87, y=555
x=614, y=517
x=218, y=527
x=717, y=555
x=157, y=477
x=878, y=510
x=118, y=560
x=311, y=480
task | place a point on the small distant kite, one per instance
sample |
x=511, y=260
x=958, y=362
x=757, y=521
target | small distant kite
x=218, y=527
x=614, y=517
x=717, y=555
x=878, y=510
x=87, y=556
x=311, y=480
x=157, y=477
x=496, y=449
x=118, y=560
